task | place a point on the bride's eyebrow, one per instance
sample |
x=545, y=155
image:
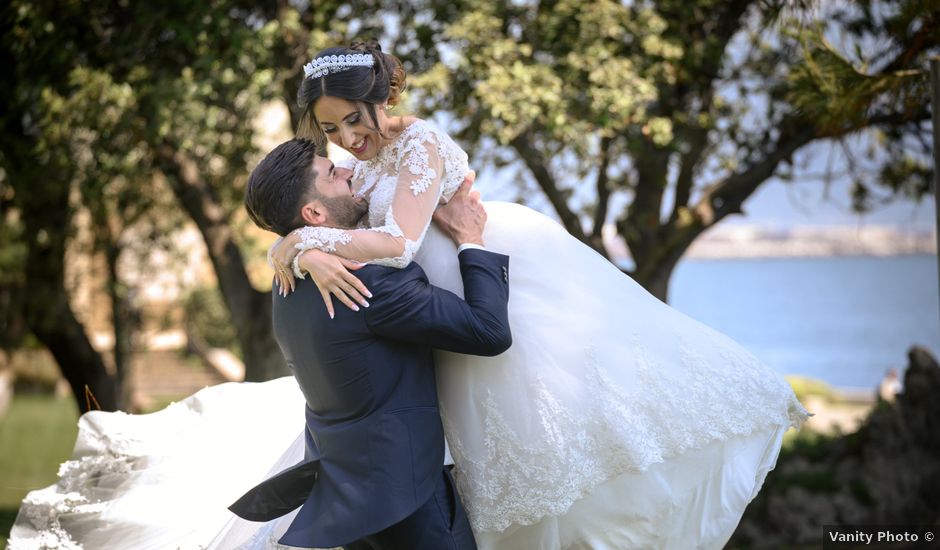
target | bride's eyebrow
x=347, y=117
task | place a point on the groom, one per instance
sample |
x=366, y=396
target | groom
x=372, y=476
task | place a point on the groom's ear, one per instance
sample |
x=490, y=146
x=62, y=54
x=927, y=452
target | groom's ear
x=314, y=213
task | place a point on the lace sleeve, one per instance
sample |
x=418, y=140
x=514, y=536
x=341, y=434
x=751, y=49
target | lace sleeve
x=417, y=192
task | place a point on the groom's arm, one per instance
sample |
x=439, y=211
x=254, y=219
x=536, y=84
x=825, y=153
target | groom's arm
x=406, y=307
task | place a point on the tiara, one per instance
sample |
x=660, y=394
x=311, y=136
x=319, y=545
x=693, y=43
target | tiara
x=322, y=66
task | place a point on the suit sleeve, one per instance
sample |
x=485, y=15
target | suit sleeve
x=407, y=307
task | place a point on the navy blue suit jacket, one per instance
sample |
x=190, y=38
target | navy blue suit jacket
x=375, y=444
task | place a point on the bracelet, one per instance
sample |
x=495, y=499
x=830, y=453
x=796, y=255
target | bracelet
x=295, y=264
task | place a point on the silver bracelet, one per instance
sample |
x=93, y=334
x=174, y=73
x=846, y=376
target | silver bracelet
x=295, y=264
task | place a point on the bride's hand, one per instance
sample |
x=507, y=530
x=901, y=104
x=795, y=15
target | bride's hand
x=281, y=258
x=332, y=276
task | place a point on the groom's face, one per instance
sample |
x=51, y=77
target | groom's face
x=335, y=206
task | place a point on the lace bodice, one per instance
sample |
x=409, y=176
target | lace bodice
x=405, y=182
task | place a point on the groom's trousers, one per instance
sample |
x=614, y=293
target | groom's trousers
x=439, y=524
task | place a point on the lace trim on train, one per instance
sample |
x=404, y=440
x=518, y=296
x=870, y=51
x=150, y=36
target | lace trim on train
x=43, y=512
x=43, y=509
x=117, y=453
x=516, y=483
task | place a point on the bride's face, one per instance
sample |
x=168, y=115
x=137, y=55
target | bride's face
x=348, y=126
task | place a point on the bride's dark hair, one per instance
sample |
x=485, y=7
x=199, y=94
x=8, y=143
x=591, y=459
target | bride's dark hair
x=379, y=84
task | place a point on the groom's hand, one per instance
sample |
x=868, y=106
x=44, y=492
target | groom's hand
x=463, y=217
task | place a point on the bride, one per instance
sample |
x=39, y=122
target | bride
x=613, y=421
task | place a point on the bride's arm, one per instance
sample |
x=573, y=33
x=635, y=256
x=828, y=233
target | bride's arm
x=417, y=193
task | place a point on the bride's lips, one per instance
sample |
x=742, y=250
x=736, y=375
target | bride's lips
x=361, y=149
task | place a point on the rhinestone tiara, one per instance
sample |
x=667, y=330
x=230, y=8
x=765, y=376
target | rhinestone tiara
x=328, y=64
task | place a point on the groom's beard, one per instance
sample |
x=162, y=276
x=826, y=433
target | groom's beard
x=345, y=212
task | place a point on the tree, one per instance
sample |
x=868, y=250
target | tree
x=112, y=104
x=664, y=117
x=44, y=211
x=106, y=97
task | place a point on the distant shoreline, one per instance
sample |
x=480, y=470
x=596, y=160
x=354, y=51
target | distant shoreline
x=695, y=257
x=744, y=241
x=762, y=242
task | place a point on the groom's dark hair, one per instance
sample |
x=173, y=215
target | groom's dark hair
x=280, y=184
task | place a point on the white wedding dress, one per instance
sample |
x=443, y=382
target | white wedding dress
x=613, y=421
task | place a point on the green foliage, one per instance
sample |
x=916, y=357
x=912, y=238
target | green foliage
x=187, y=76
x=820, y=481
x=680, y=110
x=907, y=176
x=827, y=87
x=104, y=92
x=809, y=444
x=567, y=70
x=850, y=87
x=127, y=112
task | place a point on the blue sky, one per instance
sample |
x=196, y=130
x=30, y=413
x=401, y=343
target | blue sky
x=803, y=203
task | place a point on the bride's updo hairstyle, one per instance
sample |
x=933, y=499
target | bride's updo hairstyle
x=369, y=87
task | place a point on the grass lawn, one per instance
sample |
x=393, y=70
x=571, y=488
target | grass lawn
x=36, y=435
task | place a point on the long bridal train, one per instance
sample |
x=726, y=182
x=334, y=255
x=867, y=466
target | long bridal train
x=165, y=479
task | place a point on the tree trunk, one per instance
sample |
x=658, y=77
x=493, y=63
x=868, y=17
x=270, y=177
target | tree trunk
x=47, y=310
x=65, y=338
x=655, y=279
x=41, y=192
x=123, y=321
x=249, y=308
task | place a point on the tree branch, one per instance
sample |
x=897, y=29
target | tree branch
x=643, y=214
x=727, y=196
x=917, y=44
x=538, y=166
x=709, y=31
x=697, y=140
x=603, y=196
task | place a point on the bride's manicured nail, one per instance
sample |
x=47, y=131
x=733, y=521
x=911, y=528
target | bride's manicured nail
x=355, y=308
x=368, y=294
x=365, y=303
